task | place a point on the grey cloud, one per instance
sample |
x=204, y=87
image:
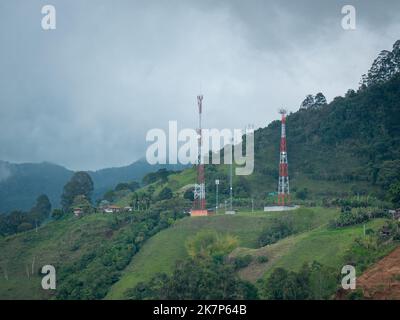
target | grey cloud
x=85, y=95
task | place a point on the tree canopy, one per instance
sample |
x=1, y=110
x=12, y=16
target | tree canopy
x=80, y=184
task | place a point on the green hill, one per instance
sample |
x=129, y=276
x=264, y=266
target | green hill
x=88, y=253
x=163, y=250
x=315, y=242
x=322, y=244
x=341, y=154
x=55, y=243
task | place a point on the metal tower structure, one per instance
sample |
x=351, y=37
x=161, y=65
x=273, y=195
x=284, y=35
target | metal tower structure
x=283, y=185
x=199, y=203
x=231, y=211
x=231, y=182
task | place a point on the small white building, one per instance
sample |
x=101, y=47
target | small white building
x=280, y=208
x=112, y=209
x=78, y=212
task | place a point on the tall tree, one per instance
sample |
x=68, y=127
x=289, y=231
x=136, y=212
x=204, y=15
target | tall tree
x=319, y=100
x=165, y=194
x=42, y=208
x=394, y=193
x=384, y=67
x=308, y=102
x=80, y=184
x=80, y=201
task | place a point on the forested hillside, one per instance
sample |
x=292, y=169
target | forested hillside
x=355, y=139
x=21, y=184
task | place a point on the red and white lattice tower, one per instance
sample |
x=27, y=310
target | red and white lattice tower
x=283, y=185
x=199, y=203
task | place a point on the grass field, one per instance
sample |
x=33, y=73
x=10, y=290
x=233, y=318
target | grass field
x=58, y=242
x=162, y=251
x=327, y=246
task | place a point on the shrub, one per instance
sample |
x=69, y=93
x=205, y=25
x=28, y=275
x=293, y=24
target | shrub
x=262, y=259
x=242, y=262
x=24, y=226
x=279, y=229
x=165, y=194
x=202, y=279
x=353, y=216
x=356, y=295
x=208, y=243
x=313, y=281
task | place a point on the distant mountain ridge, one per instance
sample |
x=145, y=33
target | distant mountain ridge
x=21, y=184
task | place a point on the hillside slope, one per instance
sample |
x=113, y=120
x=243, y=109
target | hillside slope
x=162, y=251
x=59, y=242
x=350, y=143
x=382, y=280
x=21, y=184
x=327, y=246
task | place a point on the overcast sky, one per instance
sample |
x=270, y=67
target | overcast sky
x=85, y=95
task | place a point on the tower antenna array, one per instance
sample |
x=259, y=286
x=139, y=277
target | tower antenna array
x=199, y=203
x=283, y=183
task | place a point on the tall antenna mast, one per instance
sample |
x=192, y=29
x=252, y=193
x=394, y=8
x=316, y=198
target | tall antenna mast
x=231, y=211
x=283, y=183
x=199, y=203
x=231, y=179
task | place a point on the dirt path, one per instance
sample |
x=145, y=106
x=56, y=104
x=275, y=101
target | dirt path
x=382, y=280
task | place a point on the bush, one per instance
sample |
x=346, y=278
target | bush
x=279, y=229
x=165, y=194
x=313, y=281
x=195, y=279
x=302, y=194
x=242, y=262
x=57, y=214
x=262, y=259
x=350, y=216
x=210, y=244
x=356, y=295
x=189, y=195
x=24, y=226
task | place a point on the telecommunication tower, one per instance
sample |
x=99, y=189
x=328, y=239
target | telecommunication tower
x=283, y=185
x=199, y=203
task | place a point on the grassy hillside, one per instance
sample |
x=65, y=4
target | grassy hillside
x=162, y=251
x=89, y=253
x=327, y=246
x=67, y=242
x=56, y=243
